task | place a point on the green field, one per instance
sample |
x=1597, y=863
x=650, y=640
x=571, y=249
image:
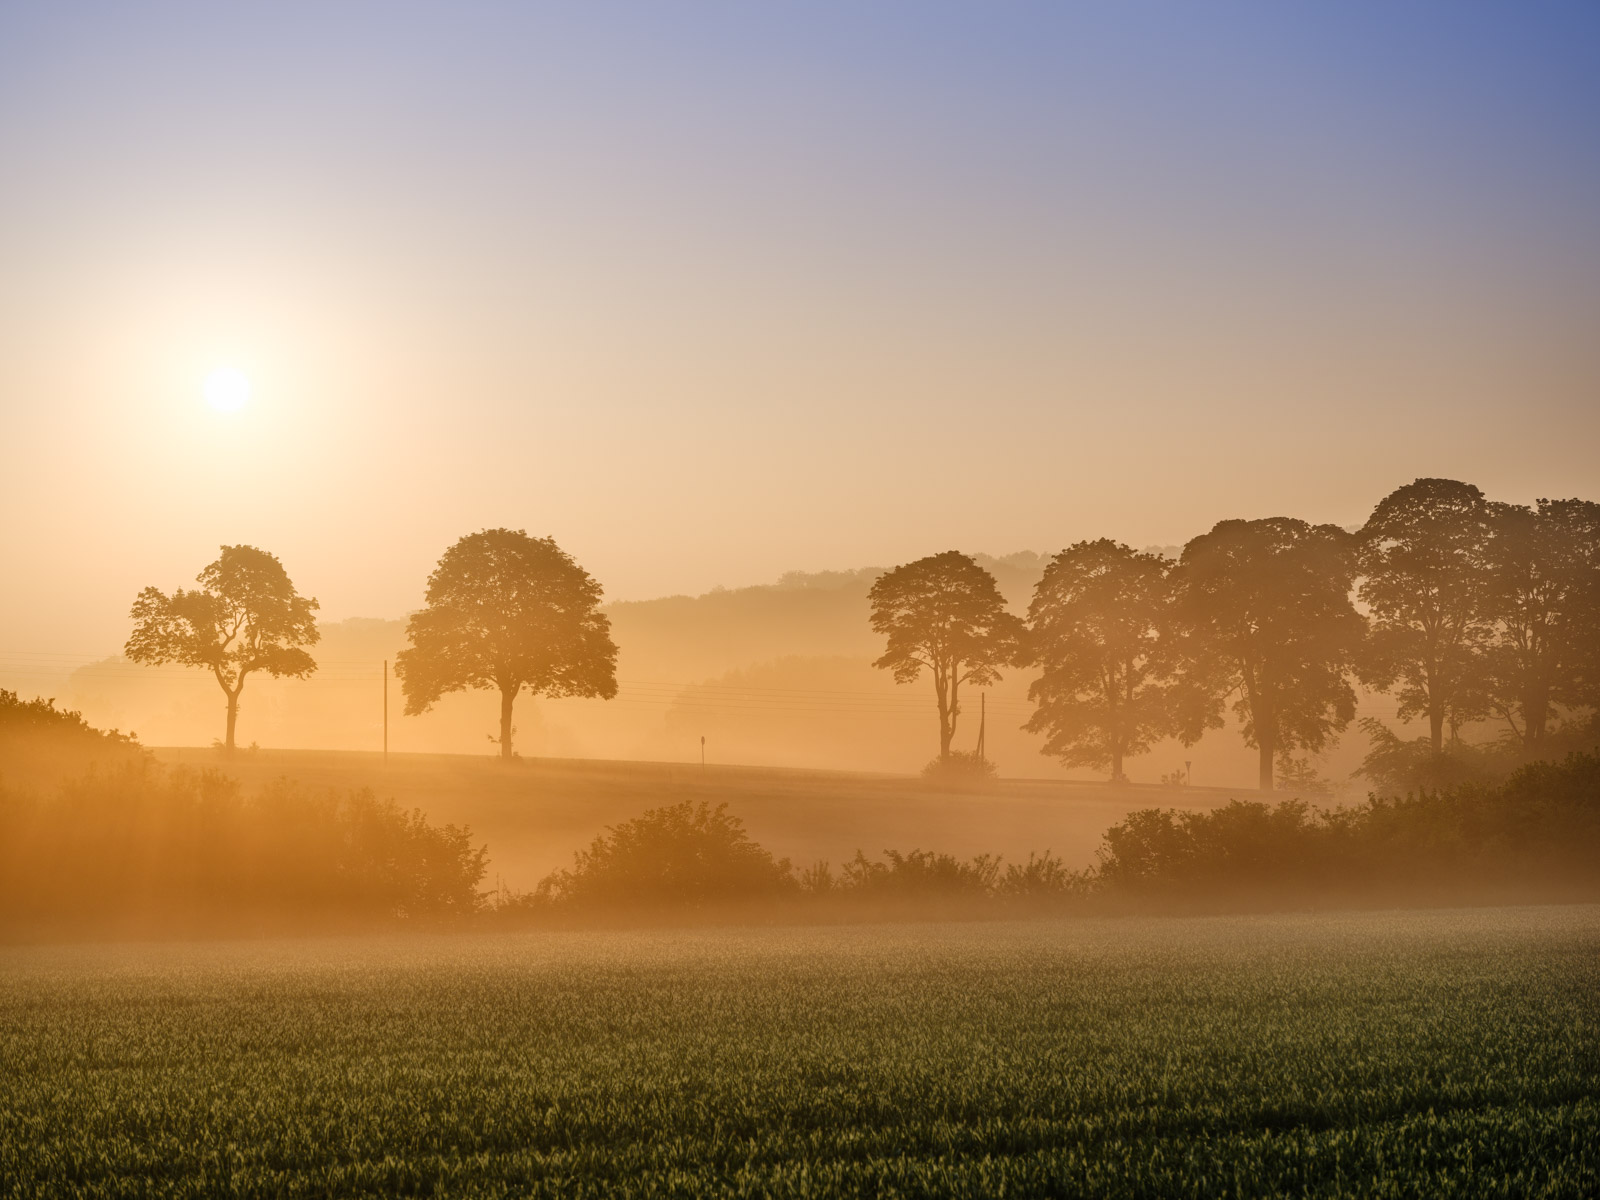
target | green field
x=1440, y=1053
x=533, y=813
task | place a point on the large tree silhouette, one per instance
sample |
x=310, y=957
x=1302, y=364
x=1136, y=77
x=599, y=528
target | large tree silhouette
x=1095, y=627
x=1264, y=614
x=1425, y=579
x=944, y=614
x=244, y=617
x=1544, y=594
x=507, y=611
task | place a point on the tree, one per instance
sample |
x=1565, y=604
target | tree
x=1545, y=597
x=1424, y=577
x=1264, y=615
x=245, y=617
x=1095, y=627
x=944, y=613
x=507, y=611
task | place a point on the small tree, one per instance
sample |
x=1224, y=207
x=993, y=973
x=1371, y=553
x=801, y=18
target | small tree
x=244, y=617
x=1096, y=628
x=944, y=614
x=1544, y=594
x=508, y=611
x=1264, y=615
x=1425, y=578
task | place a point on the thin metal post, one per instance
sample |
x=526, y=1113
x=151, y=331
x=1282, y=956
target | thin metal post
x=386, y=712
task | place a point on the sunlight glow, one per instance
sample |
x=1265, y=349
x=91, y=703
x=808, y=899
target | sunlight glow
x=227, y=389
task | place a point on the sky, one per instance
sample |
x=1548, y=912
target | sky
x=714, y=291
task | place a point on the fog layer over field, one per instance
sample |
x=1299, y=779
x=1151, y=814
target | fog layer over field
x=1443, y=1053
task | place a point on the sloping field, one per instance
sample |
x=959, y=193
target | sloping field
x=534, y=813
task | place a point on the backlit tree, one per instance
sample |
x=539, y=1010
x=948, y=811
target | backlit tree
x=1264, y=618
x=1096, y=628
x=1544, y=595
x=244, y=617
x=508, y=612
x=1425, y=579
x=944, y=614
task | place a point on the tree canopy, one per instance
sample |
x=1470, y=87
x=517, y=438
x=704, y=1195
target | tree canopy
x=1422, y=557
x=944, y=614
x=245, y=616
x=1264, y=616
x=506, y=611
x=1544, y=596
x=1096, y=628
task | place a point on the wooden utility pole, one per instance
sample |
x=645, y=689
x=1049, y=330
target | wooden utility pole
x=386, y=712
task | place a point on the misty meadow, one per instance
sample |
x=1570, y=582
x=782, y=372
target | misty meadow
x=929, y=600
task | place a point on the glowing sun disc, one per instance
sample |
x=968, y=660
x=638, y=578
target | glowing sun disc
x=227, y=389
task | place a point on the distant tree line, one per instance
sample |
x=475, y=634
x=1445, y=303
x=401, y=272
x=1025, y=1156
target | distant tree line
x=1461, y=608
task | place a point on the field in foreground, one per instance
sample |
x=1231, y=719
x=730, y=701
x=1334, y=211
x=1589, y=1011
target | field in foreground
x=533, y=813
x=1439, y=1053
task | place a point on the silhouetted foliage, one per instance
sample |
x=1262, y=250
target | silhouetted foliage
x=1264, y=616
x=1536, y=836
x=1044, y=877
x=1096, y=626
x=1544, y=595
x=508, y=611
x=1398, y=765
x=681, y=856
x=960, y=769
x=246, y=616
x=1423, y=559
x=42, y=744
x=1299, y=774
x=920, y=873
x=138, y=850
x=944, y=614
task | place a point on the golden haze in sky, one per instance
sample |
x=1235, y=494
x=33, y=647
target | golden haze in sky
x=711, y=308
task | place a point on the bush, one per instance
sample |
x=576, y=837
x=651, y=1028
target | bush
x=1537, y=836
x=1396, y=765
x=42, y=745
x=679, y=856
x=961, y=769
x=1044, y=877
x=920, y=873
x=142, y=851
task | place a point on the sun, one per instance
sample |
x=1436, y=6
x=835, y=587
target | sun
x=227, y=389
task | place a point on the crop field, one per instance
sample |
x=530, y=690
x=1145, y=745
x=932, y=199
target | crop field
x=535, y=812
x=1446, y=1053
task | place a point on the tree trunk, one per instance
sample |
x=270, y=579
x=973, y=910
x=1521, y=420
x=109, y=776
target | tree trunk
x=1535, y=717
x=508, y=697
x=1116, y=764
x=233, y=719
x=1266, y=762
x=1436, y=722
x=947, y=725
